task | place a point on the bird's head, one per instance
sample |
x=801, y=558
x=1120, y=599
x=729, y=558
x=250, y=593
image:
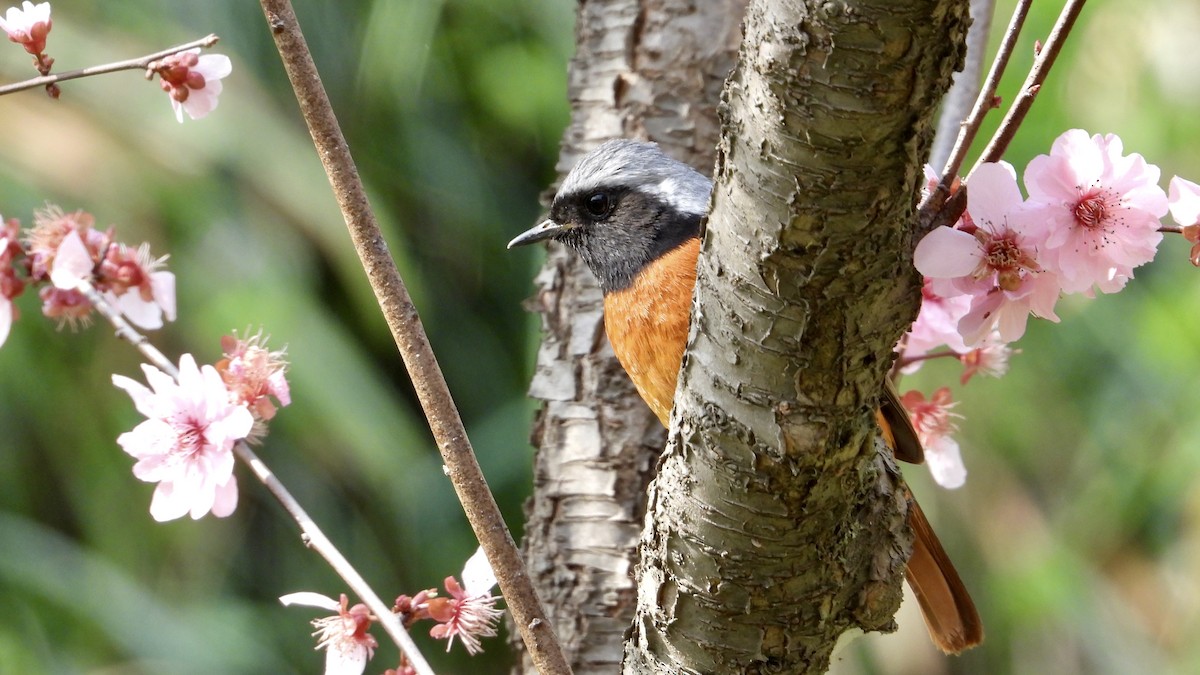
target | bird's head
x=621, y=207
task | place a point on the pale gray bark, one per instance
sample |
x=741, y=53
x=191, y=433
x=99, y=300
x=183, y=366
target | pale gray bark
x=967, y=84
x=649, y=69
x=776, y=523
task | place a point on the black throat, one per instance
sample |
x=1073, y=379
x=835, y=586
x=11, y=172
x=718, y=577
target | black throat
x=641, y=229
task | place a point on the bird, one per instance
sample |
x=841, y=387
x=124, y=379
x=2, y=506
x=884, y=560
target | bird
x=633, y=214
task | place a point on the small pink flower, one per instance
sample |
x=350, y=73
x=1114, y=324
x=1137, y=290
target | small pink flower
x=936, y=325
x=28, y=26
x=1099, y=210
x=990, y=359
x=136, y=284
x=186, y=443
x=470, y=612
x=1184, y=202
x=344, y=637
x=51, y=226
x=935, y=424
x=192, y=81
x=70, y=308
x=991, y=256
x=254, y=374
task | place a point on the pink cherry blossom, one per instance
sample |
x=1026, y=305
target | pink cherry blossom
x=51, y=226
x=1098, y=208
x=186, y=443
x=28, y=26
x=344, y=637
x=990, y=359
x=935, y=423
x=936, y=325
x=991, y=256
x=470, y=612
x=192, y=81
x=255, y=374
x=136, y=284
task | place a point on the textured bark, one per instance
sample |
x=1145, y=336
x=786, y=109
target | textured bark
x=776, y=523
x=632, y=76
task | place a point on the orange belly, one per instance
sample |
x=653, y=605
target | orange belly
x=647, y=325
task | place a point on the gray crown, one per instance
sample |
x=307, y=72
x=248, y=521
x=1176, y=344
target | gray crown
x=640, y=166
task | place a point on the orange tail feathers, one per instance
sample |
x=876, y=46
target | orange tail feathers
x=949, y=613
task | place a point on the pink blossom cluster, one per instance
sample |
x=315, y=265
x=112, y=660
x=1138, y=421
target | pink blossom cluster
x=63, y=254
x=193, y=420
x=1092, y=215
x=469, y=613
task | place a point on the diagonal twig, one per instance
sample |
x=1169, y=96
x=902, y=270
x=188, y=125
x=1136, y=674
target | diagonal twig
x=140, y=63
x=987, y=95
x=1033, y=83
x=413, y=344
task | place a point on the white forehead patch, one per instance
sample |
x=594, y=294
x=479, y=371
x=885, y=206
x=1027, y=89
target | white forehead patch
x=685, y=198
x=640, y=166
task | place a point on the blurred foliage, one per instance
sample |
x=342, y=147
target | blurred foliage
x=1079, y=527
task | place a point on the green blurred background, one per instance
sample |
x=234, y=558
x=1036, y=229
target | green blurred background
x=1078, y=529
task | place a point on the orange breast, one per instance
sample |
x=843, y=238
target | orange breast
x=647, y=325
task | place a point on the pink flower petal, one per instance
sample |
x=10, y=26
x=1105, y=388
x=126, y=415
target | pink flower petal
x=141, y=395
x=346, y=659
x=139, y=312
x=163, y=287
x=72, y=263
x=1184, y=200
x=310, y=599
x=945, y=463
x=947, y=253
x=477, y=575
x=6, y=318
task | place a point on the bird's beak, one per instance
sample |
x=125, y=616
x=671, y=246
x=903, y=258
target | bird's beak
x=547, y=229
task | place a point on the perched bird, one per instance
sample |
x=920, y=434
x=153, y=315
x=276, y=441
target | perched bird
x=633, y=215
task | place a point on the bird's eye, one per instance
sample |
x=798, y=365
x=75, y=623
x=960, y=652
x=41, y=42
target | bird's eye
x=598, y=204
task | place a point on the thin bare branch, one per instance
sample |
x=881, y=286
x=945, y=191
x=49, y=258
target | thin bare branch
x=315, y=539
x=140, y=63
x=987, y=95
x=413, y=344
x=1033, y=83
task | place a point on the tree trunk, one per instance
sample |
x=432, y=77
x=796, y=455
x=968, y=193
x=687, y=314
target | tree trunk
x=650, y=69
x=777, y=520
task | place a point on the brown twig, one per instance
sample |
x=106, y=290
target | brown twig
x=987, y=95
x=1033, y=83
x=409, y=334
x=314, y=538
x=140, y=63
